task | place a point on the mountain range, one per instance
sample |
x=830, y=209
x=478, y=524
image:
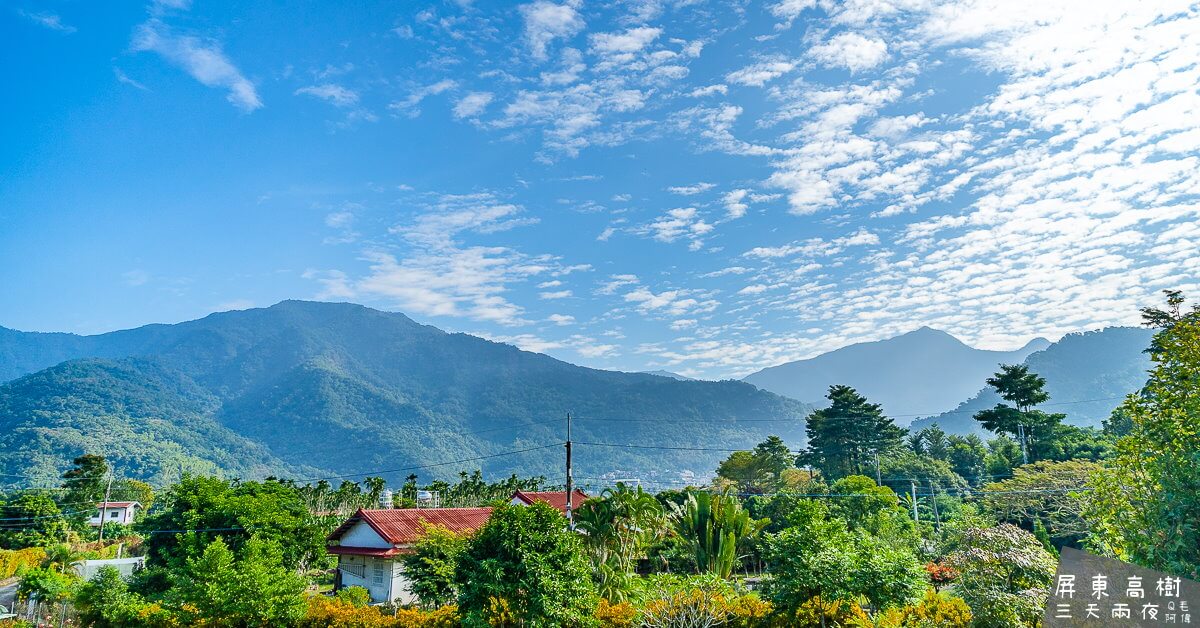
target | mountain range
x=324, y=390
x=309, y=390
x=1087, y=375
x=921, y=373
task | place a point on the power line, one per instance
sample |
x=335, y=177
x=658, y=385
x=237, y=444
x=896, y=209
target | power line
x=428, y=466
x=835, y=417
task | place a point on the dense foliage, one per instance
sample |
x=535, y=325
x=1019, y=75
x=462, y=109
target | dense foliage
x=524, y=566
x=1148, y=502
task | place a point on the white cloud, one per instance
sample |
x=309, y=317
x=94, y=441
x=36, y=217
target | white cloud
x=735, y=206
x=203, y=59
x=556, y=294
x=561, y=319
x=709, y=90
x=691, y=190
x=624, y=43
x=472, y=104
x=410, y=106
x=331, y=92
x=547, y=21
x=48, y=20
x=851, y=51
x=759, y=74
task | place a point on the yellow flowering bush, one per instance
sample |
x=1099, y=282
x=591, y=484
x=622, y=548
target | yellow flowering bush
x=838, y=613
x=325, y=612
x=935, y=610
x=615, y=615
x=12, y=561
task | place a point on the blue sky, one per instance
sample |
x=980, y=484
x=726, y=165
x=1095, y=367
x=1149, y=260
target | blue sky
x=704, y=187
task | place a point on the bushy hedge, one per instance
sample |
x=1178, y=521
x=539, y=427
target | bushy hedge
x=12, y=561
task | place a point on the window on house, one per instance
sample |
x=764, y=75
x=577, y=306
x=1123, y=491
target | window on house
x=112, y=514
x=378, y=573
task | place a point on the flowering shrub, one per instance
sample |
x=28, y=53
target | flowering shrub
x=935, y=610
x=615, y=615
x=325, y=612
x=838, y=613
x=940, y=574
x=12, y=561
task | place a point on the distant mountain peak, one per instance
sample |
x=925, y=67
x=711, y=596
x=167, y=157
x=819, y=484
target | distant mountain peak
x=924, y=371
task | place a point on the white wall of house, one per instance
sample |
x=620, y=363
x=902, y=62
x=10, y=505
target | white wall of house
x=362, y=535
x=122, y=515
x=383, y=578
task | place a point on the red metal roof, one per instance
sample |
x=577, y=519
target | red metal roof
x=556, y=499
x=382, y=552
x=116, y=504
x=403, y=526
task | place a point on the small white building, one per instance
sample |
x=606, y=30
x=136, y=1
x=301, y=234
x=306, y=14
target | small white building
x=114, y=512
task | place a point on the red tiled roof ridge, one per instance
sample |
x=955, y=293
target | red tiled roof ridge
x=401, y=526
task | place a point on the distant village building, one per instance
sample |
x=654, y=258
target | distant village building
x=114, y=512
x=371, y=543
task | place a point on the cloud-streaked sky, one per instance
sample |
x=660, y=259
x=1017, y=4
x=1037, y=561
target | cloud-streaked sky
x=704, y=187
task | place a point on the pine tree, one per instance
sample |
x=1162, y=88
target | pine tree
x=845, y=438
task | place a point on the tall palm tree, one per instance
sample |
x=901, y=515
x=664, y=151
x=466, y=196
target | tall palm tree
x=618, y=526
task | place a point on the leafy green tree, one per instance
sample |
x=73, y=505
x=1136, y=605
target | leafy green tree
x=124, y=489
x=1004, y=575
x=715, y=526
x=1024, y=389
x=876, y=510
x=900, y=469
x=762, y=470
x=524, y=566
x=32, y=519
x=1147, y=501
x=932, y=442
x=47, y=584
x=85, y=484
x=1003, y=455
x=1118, y=424
x=105, y=601
x=845, y=438
x=820, y=559
x=967, y=456
x=254, y=589
x=430, y=567
x=204, y=508
x=619, y=526
x=1045, y=492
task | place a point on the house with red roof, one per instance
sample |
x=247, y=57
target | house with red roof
x=371, y=543
x=114, y=512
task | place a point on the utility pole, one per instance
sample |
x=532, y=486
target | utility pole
x=937, y=517
x=570, y=482
x=916, y=516
x=878, y=475
x=1024, y=452
x=104, y=508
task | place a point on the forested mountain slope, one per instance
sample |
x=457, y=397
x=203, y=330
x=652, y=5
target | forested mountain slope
x=340, y=389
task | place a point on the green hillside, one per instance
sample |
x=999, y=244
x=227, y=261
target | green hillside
x=149, y=421
x=320, y=389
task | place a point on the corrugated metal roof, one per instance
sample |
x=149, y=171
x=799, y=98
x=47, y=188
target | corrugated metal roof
x=403, y=526
x=556, y=499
